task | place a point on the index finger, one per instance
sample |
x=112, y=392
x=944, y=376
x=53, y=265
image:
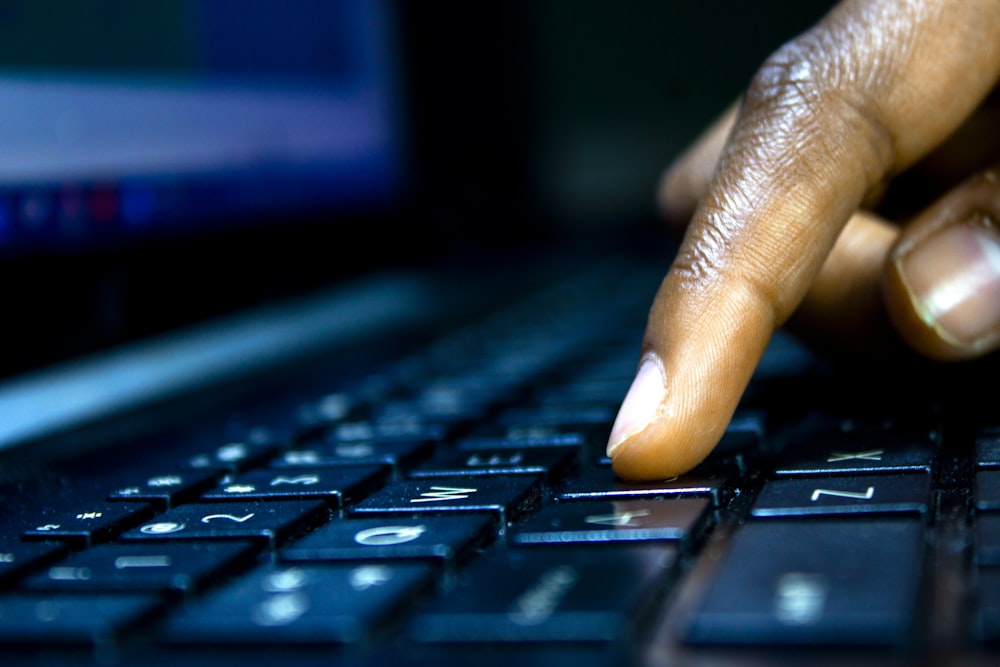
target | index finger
x=868, y=91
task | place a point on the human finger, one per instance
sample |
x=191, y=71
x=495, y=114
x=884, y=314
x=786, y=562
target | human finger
x=826, y=120
x=942, y=283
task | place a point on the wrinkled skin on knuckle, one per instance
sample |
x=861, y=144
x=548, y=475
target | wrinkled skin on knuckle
x=809, y=147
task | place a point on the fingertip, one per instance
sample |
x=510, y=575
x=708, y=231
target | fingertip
x=660, y=451
x=658, y=434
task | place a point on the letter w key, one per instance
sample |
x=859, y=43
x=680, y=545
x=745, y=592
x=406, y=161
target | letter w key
x=909, y=492
x=506, y=496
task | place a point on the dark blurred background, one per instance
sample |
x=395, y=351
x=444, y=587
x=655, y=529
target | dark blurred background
x=521, y=120
x=572, y=108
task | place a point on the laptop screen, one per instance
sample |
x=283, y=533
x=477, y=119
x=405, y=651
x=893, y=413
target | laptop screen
x=125, y=121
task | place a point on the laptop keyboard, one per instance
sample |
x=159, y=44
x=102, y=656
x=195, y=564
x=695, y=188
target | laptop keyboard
x=457, y=503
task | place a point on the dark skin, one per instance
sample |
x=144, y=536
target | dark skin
x=778, y=202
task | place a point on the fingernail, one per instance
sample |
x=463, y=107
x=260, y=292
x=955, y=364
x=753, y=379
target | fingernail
x=953, y=278
x=641, y=402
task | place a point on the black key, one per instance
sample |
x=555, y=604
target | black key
x=988, y=448
x=506, y=496
x=325, y=410
x=987, y=606
x=606, y=486
x=581, y=416
x=164, y=566
x=987, y=490
x=168, y=489
x=396, y=455
x=591, y=425
x=543, y=595
x=844, y=495
x=857, y=454
x=439, y=537
x=482, y=443
x=233, y=456
x=814, y=582
x=18, y=558
x=336, y=486
x=303, y=604
x=544, y=461
x=272, y=520
x=988, y=539
x=403, y=431
x=88, y=523
x=71, y=619
x=621, y=521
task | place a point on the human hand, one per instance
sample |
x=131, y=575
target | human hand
x=824, y=128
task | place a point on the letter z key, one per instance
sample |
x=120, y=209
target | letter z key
x=844, y=495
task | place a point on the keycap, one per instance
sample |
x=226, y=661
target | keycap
x=820, y=581
x=88, y=523
x=481, y=443
x=271, y=520
x=337, y=486
x=72, y=619
x=546, y=462
x=605, y=486
x=163, y=566
x=987, y=530
x=167, y=489
x=986, y=614
x=18, y=558
x=395, y=455
x=988, y=448
x=233, y=456
x=843, y=495
x=505, y=496
x=857, y=454
x=446, y=538
x=987, y=490
x=540, y=595
x=301, y=604
x=608, y=522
